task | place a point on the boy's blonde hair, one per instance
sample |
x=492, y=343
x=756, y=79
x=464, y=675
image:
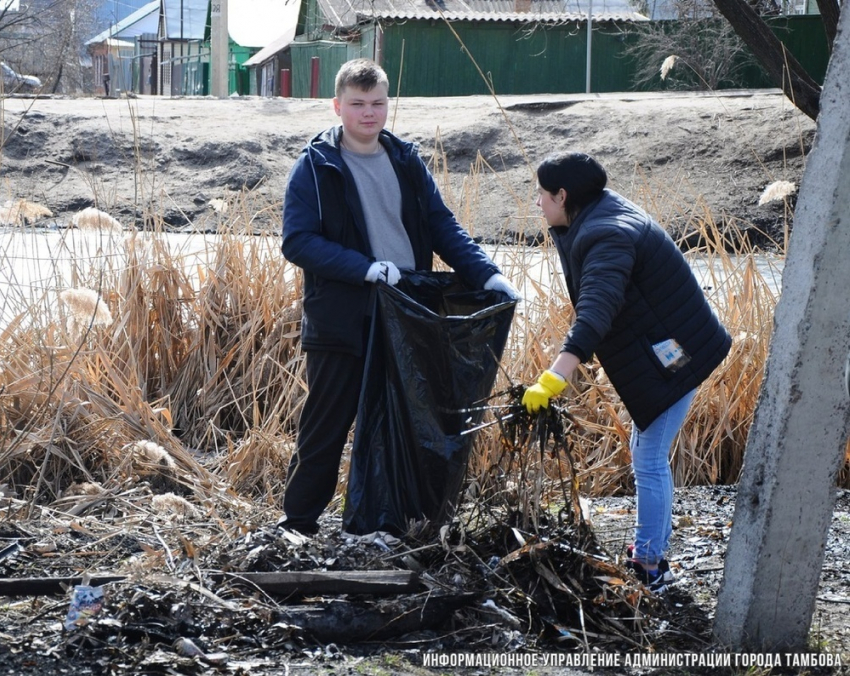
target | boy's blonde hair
x=364, y=74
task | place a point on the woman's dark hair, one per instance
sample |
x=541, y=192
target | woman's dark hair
x=580, y=175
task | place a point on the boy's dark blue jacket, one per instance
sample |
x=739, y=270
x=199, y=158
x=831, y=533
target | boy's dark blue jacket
x=631, y=288
x=324, y=233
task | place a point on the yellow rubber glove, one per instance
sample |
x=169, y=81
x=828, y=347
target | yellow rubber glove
x=548, y=385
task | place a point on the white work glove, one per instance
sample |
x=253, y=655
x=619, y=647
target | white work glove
x=499, y=282
x=385, y=271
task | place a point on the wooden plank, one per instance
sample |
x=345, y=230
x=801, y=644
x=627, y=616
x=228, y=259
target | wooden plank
x=43, y=586
x=315, y=583
x=345, y=621
x=374, y=582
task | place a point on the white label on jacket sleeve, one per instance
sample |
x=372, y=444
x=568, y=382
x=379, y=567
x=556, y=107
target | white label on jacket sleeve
x=671, y=354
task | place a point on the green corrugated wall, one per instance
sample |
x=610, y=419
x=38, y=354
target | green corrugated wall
x=516, y=59
x=805, y=38
x=238, y=77
x=331, y=56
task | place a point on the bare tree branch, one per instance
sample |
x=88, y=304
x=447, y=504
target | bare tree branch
x=781, y=66
x=700, y=50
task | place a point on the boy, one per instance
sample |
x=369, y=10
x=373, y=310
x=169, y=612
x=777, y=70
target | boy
x=360, y=207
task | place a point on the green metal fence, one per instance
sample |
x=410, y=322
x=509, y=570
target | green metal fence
x=330, y=56
x=427, y=58
x=512, y=58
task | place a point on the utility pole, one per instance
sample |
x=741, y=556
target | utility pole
x=219, y=50
x=589, y=39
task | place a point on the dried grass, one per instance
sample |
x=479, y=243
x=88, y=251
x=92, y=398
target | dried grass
x=92, y=218
x=173, y=506
x=778, y=190
x=219, y=205
x=95, y=406
x=86, y=310
x=22, y=212
x=198, y=356
x=668, y=65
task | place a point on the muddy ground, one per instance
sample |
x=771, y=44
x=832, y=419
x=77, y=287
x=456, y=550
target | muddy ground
x=676, y=154
x=142, y=616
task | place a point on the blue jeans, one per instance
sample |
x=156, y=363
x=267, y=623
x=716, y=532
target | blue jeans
x=654, y=481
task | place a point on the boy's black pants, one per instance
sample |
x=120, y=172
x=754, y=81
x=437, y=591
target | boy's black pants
x=334, y=380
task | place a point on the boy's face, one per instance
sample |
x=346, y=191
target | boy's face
x=363, y=113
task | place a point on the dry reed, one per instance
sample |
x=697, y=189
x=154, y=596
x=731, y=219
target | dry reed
x=668, y=65
x=778, y=190
x=22, y=212
x=202, y=361
x=92, y=218
x=85, y=310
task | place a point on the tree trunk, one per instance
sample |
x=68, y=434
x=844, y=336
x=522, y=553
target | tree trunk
x=781, y=66
x=58, y=80
x=796, y=443
x=829, y=12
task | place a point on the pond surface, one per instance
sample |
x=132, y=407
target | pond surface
x=36, y=264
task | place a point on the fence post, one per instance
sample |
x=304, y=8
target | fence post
x=314, y=77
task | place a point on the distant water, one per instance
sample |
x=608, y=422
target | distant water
x=544, y=267
x=36, y=264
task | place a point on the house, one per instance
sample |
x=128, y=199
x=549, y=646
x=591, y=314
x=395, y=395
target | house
x=115, y=52
x=108, y=12
x=431, y=47
x=427, y=47
x=160, y=48
x=182, y=49
x=184, y=39
x=269, y=68
x=668, y=10
x=254, y=26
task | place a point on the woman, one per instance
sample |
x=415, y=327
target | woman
x=640, y=309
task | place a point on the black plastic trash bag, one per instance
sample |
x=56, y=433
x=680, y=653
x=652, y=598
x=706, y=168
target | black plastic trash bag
x=434, y=350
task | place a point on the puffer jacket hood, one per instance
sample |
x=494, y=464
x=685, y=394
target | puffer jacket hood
x=324, y=147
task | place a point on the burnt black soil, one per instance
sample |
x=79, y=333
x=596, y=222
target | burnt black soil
x=243, y=631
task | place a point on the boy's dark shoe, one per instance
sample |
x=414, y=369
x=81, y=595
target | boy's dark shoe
x=302, y=527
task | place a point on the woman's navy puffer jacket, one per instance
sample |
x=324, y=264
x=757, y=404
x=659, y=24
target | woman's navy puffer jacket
x=632, y=288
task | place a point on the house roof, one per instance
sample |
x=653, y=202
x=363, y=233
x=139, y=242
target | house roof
x=118, y=44
x=347, y=13
x=143, y=20
x=185, y=19
x=257, y=23
x=277, y=45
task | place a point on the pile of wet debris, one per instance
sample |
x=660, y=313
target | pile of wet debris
x=145, y=581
